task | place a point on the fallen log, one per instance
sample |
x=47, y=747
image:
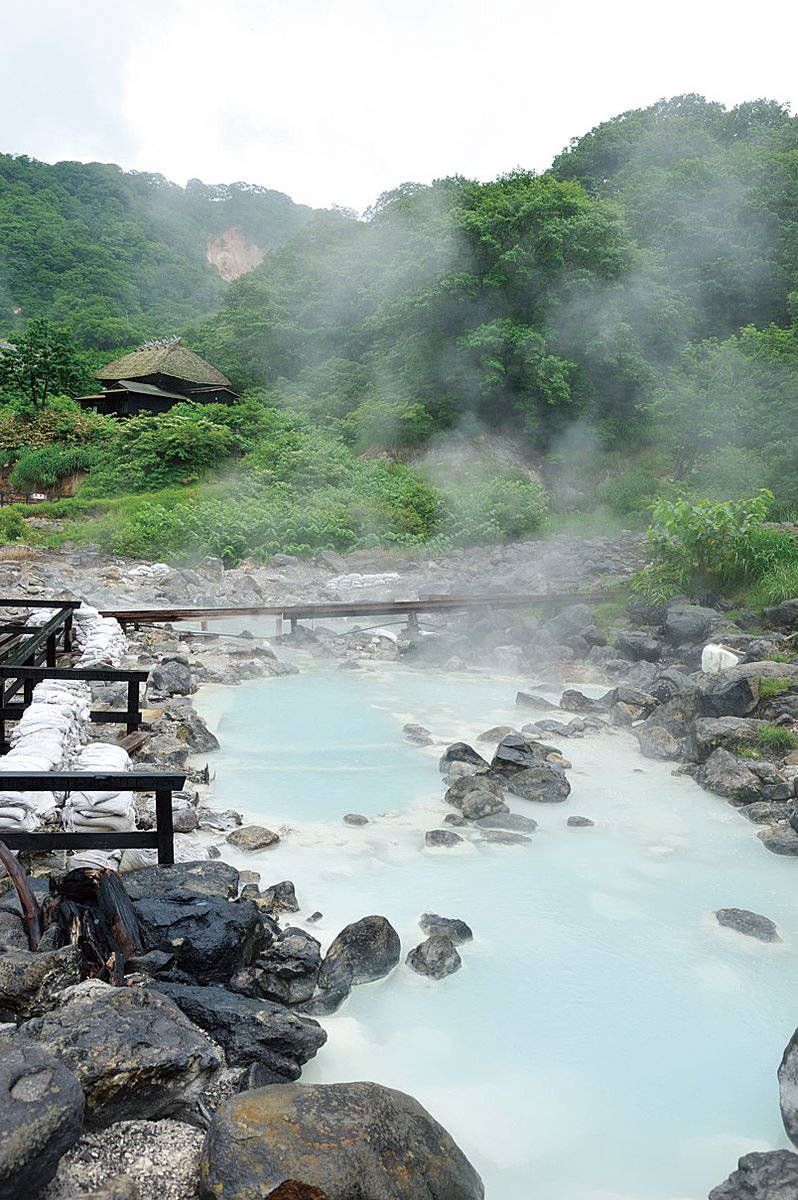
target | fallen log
x=94, y=912
x=31, y=916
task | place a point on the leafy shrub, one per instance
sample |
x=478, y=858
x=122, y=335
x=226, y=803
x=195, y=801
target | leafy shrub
x=632, y=493
x=710, y=543
x=45, y=467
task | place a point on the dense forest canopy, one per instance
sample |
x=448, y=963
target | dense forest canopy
x=627, y=320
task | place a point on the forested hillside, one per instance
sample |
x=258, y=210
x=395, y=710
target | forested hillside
x=628, y=321
x=121, y=255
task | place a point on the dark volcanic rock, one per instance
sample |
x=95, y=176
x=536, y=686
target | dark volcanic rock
x=289, y=969
x=41, y=1117
x=368, y=948
x=751, y=923
x=202, y=878
x=455, y=930
x=435, y=958
x=763, y=1175
x=511, y=821
x=515, y=753
x=30, y=983
x=788, y=1088
x=476, y=796
x=689, y=623
x=731, y=693
x=574, y=701
x=280, y=898
x=461, y=752
x=724, y=775
x=250, y=1030
x=210, y=938
x=579, y=822
x=780, y=839
x=134, y=1052
x=543, y=783
x=712, y=732
x=252, y=837
x=442, y=837
x=170, y=679
x=345, y=1139
x=656, y=742
x=636, y=645
x=504, y=837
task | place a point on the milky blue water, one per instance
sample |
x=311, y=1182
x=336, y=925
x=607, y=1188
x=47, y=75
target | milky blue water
x=605, y=1038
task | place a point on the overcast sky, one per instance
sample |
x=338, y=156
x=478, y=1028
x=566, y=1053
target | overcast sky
x=336, y=101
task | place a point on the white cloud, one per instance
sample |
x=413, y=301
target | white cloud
x=338, y=100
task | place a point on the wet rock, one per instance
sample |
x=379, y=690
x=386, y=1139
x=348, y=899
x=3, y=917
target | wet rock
x=280, y=898
x=133, y=1051
x=750, y=923
x=730, y=693
x=41, y=1117
x=514, y=822
x=788, y=1088
x=210, y=938
x=450, y=927
x=504, y=837
x=368, y=949
x=461, y=752
x=12, y=932
x=656, y=742
x=763, y=1175
x=455, y=819
x=515, y=753
x=764, y=812
x=219, y=822
x=476, y=796
x=579, y=822
x=249, y=1030
x=436, y=958
x=442, y=837
x=355, y=819
x=780, y=839
x=170, y=679
x=30, y=983
x=636, y=645
x=200, y=878
x=543, y=784
x=343, y=1139
x=726, y=776
x=252, y=837
x=288, y=971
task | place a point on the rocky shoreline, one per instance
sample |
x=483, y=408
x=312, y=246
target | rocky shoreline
x=250, y=1023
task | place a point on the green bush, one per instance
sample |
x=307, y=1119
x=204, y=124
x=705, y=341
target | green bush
x=45, y=467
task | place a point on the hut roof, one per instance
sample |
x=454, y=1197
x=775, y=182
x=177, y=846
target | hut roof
x=163, y=358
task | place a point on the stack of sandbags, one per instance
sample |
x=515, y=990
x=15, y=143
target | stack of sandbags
x=101, y=640
x=99, y=812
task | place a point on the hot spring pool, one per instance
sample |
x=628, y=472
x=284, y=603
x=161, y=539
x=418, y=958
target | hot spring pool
x=605, y=1038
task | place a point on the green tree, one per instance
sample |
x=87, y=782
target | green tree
x=41, y=362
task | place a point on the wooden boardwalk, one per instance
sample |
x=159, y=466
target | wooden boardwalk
x=364, y=608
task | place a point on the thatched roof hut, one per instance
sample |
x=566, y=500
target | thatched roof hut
x=156, y=376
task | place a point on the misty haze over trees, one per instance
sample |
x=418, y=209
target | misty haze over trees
x=628, y=321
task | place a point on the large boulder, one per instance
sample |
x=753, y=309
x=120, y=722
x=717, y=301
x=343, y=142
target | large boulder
x=763, y=1175
x=250, y=1030
x=41, y=1117
x=476, y=796
x=30, y=983
x=289, y=969
x=203, y=878
x=210, y=938
x=461, y=752
x=544, y=783
x=171, y=679
x=516, y=753
x=726, y=776
x=690, y=623
x=436, y=957
x=637, y=645
x=730, y=693
x=366, y=950
x=346, y=1139
x=133, y=1051
x=451, y=927
x=788, y=1088
x=712, y=732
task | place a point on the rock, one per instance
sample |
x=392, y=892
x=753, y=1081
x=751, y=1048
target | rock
x=280, y=898
x=41, y=1117
x=689, y=623
x=779, y=839
x=30, y=982
x=12, y=932
x=724, y=775
x=751, y=923
x=621, y=715
x=504, y=837
x=368, y=949
x=730, y=693
x=455, y=819
x=511, y=821
x=415, y=731
x=530, y=700
x=252, y=837
x=636, y=645
x=249, y=1030
x=170, y=679
x=515, y=753
x=133, y=1051
x=763, y=1175
x=344, y=1139
x=544, y=784
x=442, y=837
x=461, y=752
x=712, y=732
x=574, y=701
x=656, y=742
x=289, y=969
x=201, y=878
x=210, y=938
x=476, y=796
x=495, y=734
x=764, y=812
x=193, y=730
x=436, y=958
x=355, y=819
x=450, y=927
x=788, y=1088
x=579, y=822
x=220, y=822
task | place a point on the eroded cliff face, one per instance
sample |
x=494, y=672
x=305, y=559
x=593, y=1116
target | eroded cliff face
x=233, y=254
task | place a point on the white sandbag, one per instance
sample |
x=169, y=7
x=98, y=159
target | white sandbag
x=114, y=803
x=102, y=756
x=716, y=658
x=186, y=850
x=102, y=859
x=25, y=824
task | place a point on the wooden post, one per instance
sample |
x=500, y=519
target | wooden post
x=165, y=828
x=50, y=653
x=68, y=633
x=278, y=626
x=132, y=705
x=293, y=624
